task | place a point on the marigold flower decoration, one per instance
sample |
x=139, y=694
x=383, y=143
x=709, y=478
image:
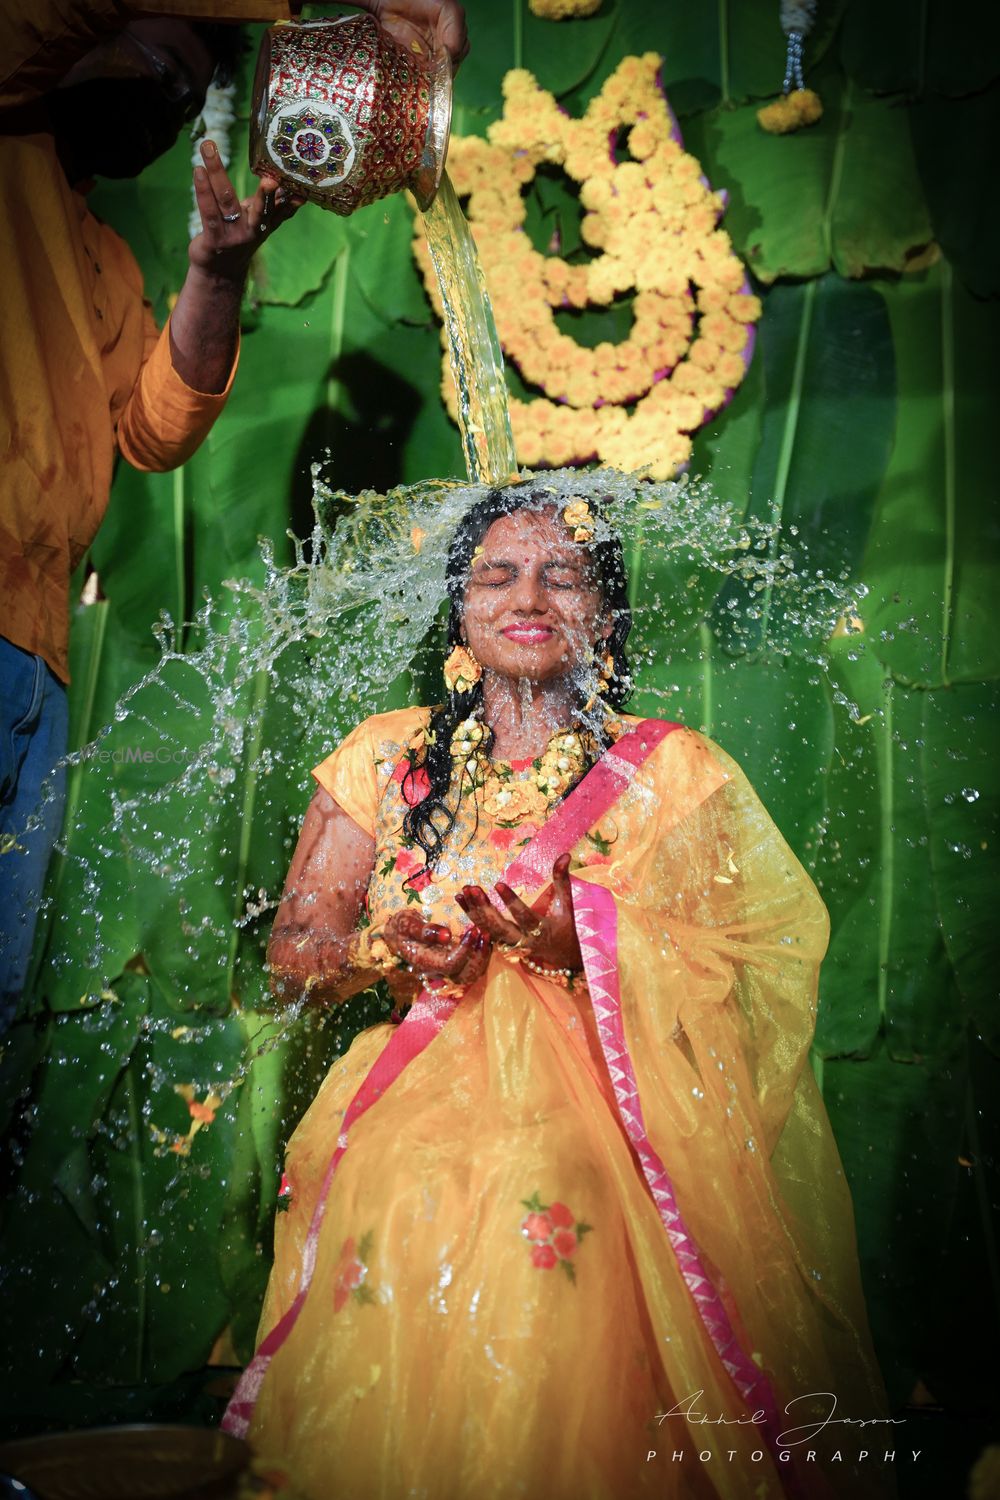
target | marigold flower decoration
x=655, y=220
x=201, y=1112
x=798, y=105
x=561, y=10
x=790, y=112
x=578, y=517
x=461, y=670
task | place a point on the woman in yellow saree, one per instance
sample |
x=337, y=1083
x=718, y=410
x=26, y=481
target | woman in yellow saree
x=576, y=1225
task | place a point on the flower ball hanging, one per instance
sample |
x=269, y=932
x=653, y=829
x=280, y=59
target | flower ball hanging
x=653, y=220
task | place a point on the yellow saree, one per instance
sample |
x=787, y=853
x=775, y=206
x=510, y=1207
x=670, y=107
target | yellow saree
x=499, y=1304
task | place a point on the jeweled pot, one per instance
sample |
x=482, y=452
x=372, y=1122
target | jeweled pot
x=346, y=115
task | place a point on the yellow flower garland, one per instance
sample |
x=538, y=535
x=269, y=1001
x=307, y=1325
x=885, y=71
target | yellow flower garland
x=507, y=799
x=559, y=10
x=655, y=220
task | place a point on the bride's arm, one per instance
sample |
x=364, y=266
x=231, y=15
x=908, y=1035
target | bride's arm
x=315, y=947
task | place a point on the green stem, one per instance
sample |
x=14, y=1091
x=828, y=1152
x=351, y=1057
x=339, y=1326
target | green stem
x=886, y=846
x=338, y=313
x=816, y=1063
x=518, y=34
x=135, y=1127
x=724, y=51
x=251, y=761
x=986, y=1211
x=635, y=567
x=178, y=498
x=788, y=437
x=836, y=173
x=948, y=428
x=707, y=641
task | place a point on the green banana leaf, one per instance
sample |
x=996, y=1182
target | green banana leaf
x=952, y=140
x=863, y=423
x=898, y=48
x=962, y=802
x=829, y=381
x=935, y=543
x=802, y=203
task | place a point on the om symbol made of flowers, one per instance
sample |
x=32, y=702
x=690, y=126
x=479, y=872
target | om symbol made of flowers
x=656, y=220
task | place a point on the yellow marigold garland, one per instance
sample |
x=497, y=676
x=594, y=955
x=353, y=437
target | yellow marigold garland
x=655, y=220
x=559, y=10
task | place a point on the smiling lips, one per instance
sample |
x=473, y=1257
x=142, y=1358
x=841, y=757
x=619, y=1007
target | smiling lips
x=528, y=635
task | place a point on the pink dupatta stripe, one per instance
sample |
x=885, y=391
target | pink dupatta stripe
x=596, y=793
x=596, y=918
x=423, y=1021
x=585, y=805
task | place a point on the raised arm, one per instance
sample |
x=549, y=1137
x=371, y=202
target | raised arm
x=315, y=948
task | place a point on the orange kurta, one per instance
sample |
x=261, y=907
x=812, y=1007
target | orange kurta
x=84, y=371
x=497, y=1309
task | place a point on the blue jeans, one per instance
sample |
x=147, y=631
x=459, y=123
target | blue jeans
x=34, y=718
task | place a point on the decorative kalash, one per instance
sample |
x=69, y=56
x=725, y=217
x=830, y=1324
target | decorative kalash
x=344, y=113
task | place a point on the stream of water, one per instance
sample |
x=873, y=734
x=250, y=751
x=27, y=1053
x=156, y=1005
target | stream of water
x=473, y=344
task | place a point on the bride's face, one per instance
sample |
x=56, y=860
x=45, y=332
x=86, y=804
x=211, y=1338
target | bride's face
x=532, y=608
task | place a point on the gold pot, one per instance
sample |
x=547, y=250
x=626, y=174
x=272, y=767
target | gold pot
x=346, y=115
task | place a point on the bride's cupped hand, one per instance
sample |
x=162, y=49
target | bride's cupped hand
x=545, y=933
x=431, y=952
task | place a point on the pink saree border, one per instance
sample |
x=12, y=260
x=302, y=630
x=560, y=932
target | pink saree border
x=596, y=918
x=423, y=1021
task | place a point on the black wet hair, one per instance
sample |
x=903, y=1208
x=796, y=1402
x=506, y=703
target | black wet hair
x=430, y=821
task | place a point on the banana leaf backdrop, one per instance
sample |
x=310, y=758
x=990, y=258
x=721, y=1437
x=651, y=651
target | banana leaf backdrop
x=864, y=423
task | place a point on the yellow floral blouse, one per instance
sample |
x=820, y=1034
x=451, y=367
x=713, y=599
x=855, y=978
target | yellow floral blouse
x=369, y=769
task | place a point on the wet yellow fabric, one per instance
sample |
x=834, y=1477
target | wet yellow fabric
x=436, y=1356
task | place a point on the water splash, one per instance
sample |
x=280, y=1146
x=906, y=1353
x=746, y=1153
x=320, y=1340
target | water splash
x=272, y=679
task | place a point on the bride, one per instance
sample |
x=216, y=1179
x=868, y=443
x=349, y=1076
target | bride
x=573, y=1223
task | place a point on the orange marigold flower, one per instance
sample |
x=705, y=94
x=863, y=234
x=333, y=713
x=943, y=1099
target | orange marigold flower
x=730, y=369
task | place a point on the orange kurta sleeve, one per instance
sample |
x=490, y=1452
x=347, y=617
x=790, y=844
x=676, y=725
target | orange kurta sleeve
x=164, y=420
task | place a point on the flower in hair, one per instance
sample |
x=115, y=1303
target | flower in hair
x=461, y=671
x=577, y=516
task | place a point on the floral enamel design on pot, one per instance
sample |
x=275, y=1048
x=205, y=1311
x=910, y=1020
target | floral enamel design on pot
x=343, y=113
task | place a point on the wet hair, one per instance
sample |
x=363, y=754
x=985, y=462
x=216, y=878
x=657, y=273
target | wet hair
x=430, y=821
x=226, y=45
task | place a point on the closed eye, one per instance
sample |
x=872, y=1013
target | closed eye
x=494, y=574
x=561, y=578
